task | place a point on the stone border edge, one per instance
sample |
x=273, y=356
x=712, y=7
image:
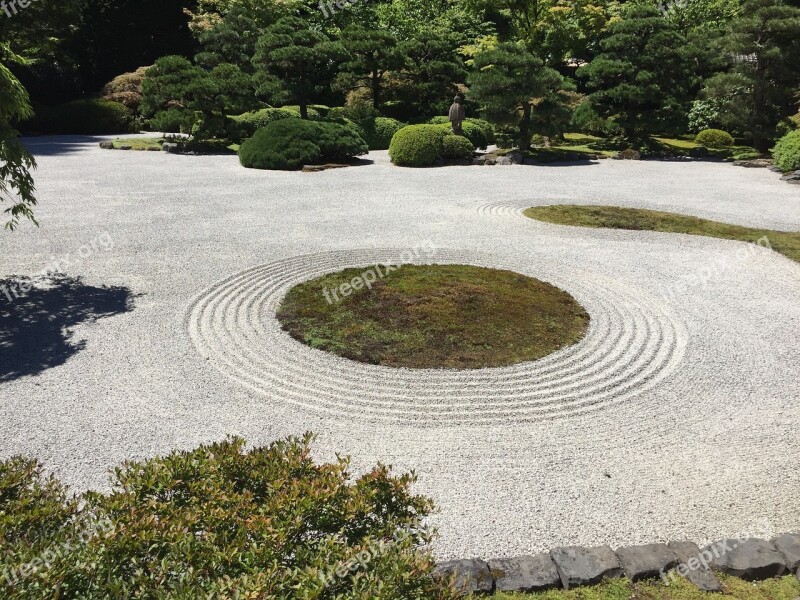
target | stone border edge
x=751, y=559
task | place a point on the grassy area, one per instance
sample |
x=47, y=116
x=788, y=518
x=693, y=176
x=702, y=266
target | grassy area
x=612, y=217
x=684, y=146
x=786, y=588
x=589, y=144
x=139, y=143
x=440, y=316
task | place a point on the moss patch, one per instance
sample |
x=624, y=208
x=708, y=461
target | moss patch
x=614, y=217
x=786, y=588
x=434, y=316
x=140, y=143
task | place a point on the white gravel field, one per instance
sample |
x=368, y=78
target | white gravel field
x=677, y=417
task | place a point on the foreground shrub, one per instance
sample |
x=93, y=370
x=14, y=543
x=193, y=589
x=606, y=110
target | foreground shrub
x=82, y=117
x=126, y=89
x=291, y=143
x=456, y=146
x=417, y=145
x=714, y=138
x=250, y=122
x=220, y=522
x=786, y=153
x=379, y=131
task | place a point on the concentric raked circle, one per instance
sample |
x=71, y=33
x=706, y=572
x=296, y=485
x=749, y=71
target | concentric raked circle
x=632, y=343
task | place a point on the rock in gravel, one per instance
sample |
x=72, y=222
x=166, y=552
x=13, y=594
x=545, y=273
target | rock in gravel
x=170, y=147
x=471, y=575
x=585, y=566
x=753, y=163
x=693, y=568
x=646, y=562
x=525, y=573
x=789, y=545
x=107, y=145
x=699, y=152
x=504, y=160
x=752, y=559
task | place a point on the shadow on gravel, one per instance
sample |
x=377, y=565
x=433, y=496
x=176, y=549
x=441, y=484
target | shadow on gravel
x=36, y=317
x=53, y=145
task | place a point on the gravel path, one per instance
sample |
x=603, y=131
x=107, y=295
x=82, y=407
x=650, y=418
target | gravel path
x=676, y=417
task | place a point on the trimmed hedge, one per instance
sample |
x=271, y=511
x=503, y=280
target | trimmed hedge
x=786, y=153
x=380, y=131
x=289, y=144
x=417, y=145
x=221, y=521
x=82, y=117
x=478, y=131
x=456, y=146
x=714, y=138
x=313, y=114
x=250, y=122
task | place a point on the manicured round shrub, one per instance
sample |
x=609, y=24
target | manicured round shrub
x=474, y=129
x=714, y=138
x=313, y=114
x=291, y=143
x=786, y=153
x=219, y=521
x=417, y=145
x=456, y=146
x=379, y=131
x=82, y=117
x=250, y=122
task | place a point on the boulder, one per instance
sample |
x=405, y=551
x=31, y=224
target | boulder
x=699, y=152
x=325, y=167
x=504, y=160
x=789, y=545
x=125, y=148
x=751, y=559
x=469, y=575
x=516, y=157
x=753, y=163
x=170, y=147
x=525, y=573
x=646, y=562
x=585, y=566
x=692, y=568
x=107, y=145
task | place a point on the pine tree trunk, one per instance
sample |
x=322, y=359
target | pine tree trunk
x=525, y=128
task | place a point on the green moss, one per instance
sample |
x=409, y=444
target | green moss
x=449, y=316
x=786, y=588
x=613, y=217
x=139, y=143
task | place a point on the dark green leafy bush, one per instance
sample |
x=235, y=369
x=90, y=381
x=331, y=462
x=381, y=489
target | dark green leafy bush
x=173, y=120
x=478, y=131
x=82, y=117
x=456, y=146
x=714, y=138
x=219, y=522
x=379, y=131
x=586, y=120
x=250, y=122
x=786, y=153
x=292, y=143
x=417, y=145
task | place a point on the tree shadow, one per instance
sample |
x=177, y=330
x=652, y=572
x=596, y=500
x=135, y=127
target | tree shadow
x=37, y=317
x=54, y=145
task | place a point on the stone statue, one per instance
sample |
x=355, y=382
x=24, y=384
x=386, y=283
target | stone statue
x=457, y=115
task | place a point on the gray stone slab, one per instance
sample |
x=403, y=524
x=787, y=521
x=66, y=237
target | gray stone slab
x=693, y=568
x=525, y=573
x=470, y=575
x=752, y=559
x=789, y=545
x=646, y=562
x=585, y=566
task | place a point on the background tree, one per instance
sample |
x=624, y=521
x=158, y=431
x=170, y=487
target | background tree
x=641, y=78
x=432, y=70
x=506, y=83
x=16, y=183
x=763, y=46
x=372, y=54
x=205, y=96
x=231, y=39
x=293, y=63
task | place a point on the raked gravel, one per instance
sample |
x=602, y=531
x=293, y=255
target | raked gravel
x=677, y=416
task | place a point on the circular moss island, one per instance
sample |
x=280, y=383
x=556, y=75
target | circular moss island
x=433, y=316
